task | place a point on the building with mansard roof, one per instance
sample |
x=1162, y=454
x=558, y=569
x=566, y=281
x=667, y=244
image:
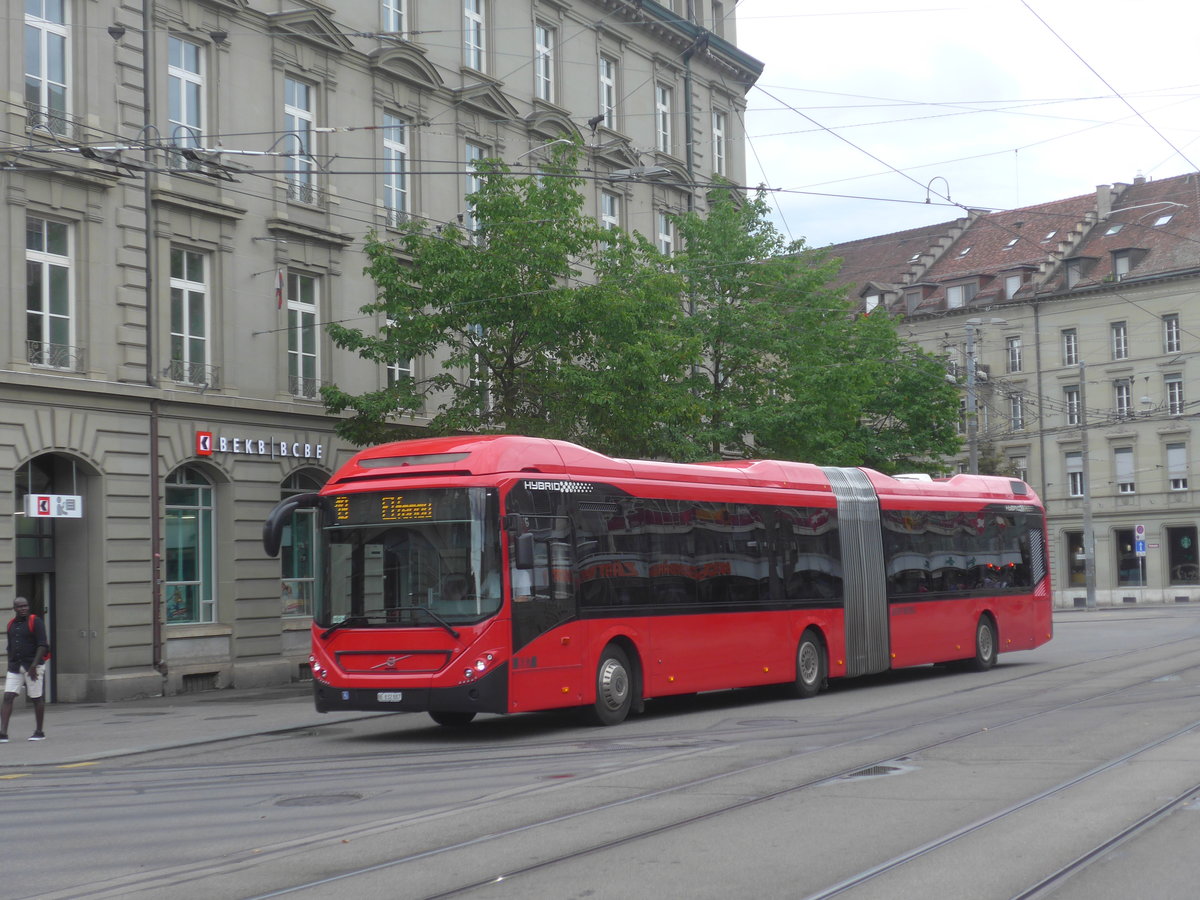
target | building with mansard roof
x=186, y=185
x=1072, y=328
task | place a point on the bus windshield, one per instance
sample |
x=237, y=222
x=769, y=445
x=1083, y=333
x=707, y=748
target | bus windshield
x=427, y=558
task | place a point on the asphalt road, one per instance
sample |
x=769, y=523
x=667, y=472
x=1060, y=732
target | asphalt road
x=1071, y=771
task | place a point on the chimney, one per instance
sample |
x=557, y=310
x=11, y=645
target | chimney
x=1103, y=201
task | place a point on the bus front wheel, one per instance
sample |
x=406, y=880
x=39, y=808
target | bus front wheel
x=614, y=687
x=810, y=665
x=451, y=719
x=985, y=644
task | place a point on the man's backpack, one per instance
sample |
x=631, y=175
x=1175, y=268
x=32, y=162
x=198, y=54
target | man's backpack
x=32, y=630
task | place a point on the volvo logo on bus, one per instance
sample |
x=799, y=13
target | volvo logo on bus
x=390, y=662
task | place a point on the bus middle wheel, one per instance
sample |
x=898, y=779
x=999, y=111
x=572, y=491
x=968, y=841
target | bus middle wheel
x=810, y=665
x=614, y=687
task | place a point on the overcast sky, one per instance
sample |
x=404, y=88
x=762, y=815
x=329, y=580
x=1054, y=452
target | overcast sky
x=993, y=103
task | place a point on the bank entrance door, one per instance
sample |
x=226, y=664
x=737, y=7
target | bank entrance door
x=38, y=589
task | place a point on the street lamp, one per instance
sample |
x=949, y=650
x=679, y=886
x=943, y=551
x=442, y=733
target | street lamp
x=971, y=326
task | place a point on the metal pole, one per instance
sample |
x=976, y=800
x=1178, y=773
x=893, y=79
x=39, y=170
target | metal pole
x=1089, y=534
x=972, y=425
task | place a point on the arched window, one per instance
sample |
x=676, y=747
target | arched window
x=189, y=577
x=299, y=552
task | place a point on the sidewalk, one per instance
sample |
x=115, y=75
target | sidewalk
x=84, y=732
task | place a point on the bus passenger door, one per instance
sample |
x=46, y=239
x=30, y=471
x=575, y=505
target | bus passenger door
x=547, y=665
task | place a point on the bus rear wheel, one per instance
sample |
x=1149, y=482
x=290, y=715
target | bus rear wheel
x=451, y=719
x=810, y=665
x=614, y=688
x=985, y=645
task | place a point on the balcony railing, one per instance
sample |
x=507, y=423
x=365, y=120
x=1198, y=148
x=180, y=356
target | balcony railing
x=194, y=373
x=57, y=123
x=54, y=356
x=304, y=388
x=306, y=192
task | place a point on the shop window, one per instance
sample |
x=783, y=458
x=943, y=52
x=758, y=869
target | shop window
x=1076, y=561
x=299, y=552
x=189, y=577
x=1131, y=570
x=1182, y=561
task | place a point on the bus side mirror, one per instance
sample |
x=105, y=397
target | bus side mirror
x=281, y=515
x=525, y=551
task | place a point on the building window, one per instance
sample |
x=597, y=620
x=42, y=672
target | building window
x=1174, y=386
x=608, y=92
x=189, y=577
x=1012, y=284
x=666, y=234
x=610, y=210
x=912, y=300
x=474, y=32
x=1019, y=466
x=1016, y=411
x=1070, y=347
x=1177, y=467
x=1076, y=560
x=299, y=552
x=962, y=416
x=1172, y=340
x=1071, y=405
x=1123, y=467
x=49, y=295
x=959, y=294
x=1120, y=340
x=718, y=18
x=870, y=302
x=395, y=169
x=1122, y=262
x=1074, y=466
x=1129, y=565
x=185, y=98
x=475, y=154
x=189, y=317
x=662, y=118
x=1181, y=555
x=395, y=17
x=299, y=121
x=47, y=65
x=1013, y=348
x=1074, y=272
x=543, y=62
x=719, y=121
x=1123, y=399
x=303, y=323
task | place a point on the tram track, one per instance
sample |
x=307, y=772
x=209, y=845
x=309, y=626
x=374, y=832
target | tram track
x=177, y=877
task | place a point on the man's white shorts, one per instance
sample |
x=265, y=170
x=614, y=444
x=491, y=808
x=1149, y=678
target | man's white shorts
x=15, y=681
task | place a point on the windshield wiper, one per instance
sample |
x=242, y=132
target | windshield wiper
x=348, y=622
x=429, y=612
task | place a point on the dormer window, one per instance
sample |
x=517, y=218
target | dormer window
x=1012, y=284
x=870, y=302
x=959, y=294
x=1122, y=263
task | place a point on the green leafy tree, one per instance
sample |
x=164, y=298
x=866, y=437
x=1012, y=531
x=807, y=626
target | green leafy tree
x=787, y=370
x=541, y=323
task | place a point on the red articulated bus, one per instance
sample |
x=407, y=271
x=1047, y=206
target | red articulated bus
x=507, y=574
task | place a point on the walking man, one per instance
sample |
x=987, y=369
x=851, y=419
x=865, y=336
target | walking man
x=27, y=649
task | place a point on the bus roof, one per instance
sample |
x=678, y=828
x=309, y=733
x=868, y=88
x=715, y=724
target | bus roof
x=481, y=455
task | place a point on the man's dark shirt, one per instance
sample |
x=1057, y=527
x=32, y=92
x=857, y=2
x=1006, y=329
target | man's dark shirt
x=23, y=643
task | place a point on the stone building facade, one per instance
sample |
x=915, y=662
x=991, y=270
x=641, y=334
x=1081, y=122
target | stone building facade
x=186, y=185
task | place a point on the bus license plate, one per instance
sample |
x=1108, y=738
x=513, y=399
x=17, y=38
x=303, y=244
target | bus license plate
x=390, y=696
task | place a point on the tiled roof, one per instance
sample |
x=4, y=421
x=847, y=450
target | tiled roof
x=1088, y=233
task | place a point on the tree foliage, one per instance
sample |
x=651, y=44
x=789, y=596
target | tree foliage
x=542, y=322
